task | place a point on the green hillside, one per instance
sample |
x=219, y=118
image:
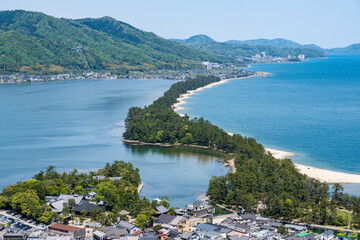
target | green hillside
x=353, y=48
x=36, y=42
x=236, y=50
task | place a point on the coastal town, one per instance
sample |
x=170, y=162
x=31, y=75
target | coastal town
x=218, y=70
x=224, y=71
x=195, y=221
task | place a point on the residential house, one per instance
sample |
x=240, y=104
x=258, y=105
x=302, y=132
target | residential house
x=199, y=209
x=131, y=228
x=85, y=205
x=327, y=235
x=186, y=224
x=57, y=202
x=167, y=220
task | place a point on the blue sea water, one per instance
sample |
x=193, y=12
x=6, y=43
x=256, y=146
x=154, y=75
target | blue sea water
x=310, y=108
x=79, y=124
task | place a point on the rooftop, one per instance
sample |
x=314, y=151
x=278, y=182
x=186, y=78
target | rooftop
x=65, y=227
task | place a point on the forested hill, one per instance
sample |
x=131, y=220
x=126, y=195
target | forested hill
x=240, y=50
x=353, y=48
x=36, y=42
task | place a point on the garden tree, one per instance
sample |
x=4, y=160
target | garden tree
x=26, y=203
x=165, y=201
x=171, y=211
x=46, y=217
x=283, y=230
x=83, y=214
x=337, y=193
x=94, y=214
x=157, y=227
x=141, y=220
x=356, y=216
x=71, y=203
x=66, y=210
x=4, y=202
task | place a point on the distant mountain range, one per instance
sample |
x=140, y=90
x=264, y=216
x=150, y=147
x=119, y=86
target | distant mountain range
x=239, y=49
x=277, y=42
x=284, y=43
x=353, y=48
x=34, y=42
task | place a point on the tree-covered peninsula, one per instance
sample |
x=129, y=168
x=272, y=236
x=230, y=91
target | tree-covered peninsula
x=261, y=182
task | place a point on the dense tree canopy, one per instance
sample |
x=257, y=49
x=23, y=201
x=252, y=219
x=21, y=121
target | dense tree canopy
x=29, y=197
x=33, y=42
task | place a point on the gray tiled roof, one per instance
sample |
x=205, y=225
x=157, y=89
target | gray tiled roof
x=126, y=225
x=165, y=218
x=161, y=209
x=84, y=205
x=206, y=226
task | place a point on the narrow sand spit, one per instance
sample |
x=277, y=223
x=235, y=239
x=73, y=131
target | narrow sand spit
x=323, y=175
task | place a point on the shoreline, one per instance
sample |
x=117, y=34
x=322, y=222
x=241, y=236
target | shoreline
x=323, y=175
x=181, y=99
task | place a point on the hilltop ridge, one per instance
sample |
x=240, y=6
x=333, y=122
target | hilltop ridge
x=36, y=42
x=246, y=49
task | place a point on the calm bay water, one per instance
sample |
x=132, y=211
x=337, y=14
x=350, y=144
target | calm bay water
x=79, y=124
x=310, y=108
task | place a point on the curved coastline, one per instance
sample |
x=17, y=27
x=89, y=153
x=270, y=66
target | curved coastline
x=324, y=175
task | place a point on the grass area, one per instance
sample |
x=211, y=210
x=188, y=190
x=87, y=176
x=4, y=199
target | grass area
x=219, y=211
x=345, y=214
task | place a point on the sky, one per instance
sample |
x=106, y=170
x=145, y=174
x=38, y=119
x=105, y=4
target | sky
x=327, y=23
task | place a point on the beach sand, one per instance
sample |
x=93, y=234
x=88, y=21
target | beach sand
x=181, y=99
x=323, y=175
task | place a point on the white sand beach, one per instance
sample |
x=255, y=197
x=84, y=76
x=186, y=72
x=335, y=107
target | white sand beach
x=323, y=175
x=181, y=99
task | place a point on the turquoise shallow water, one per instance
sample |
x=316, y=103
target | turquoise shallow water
x=79, y=124
x=310, y=108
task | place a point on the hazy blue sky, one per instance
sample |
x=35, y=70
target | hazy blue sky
x=328, y=23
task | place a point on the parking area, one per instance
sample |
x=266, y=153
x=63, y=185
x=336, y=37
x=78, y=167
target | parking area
x=12, y=219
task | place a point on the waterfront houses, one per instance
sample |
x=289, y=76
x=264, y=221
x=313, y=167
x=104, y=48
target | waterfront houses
x=195, y=221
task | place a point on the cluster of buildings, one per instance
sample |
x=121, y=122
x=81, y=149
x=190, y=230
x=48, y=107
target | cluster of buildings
x=22, y=78
x=210, y=65
x=210, y=68
x=263, y=58
x=194, y=222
